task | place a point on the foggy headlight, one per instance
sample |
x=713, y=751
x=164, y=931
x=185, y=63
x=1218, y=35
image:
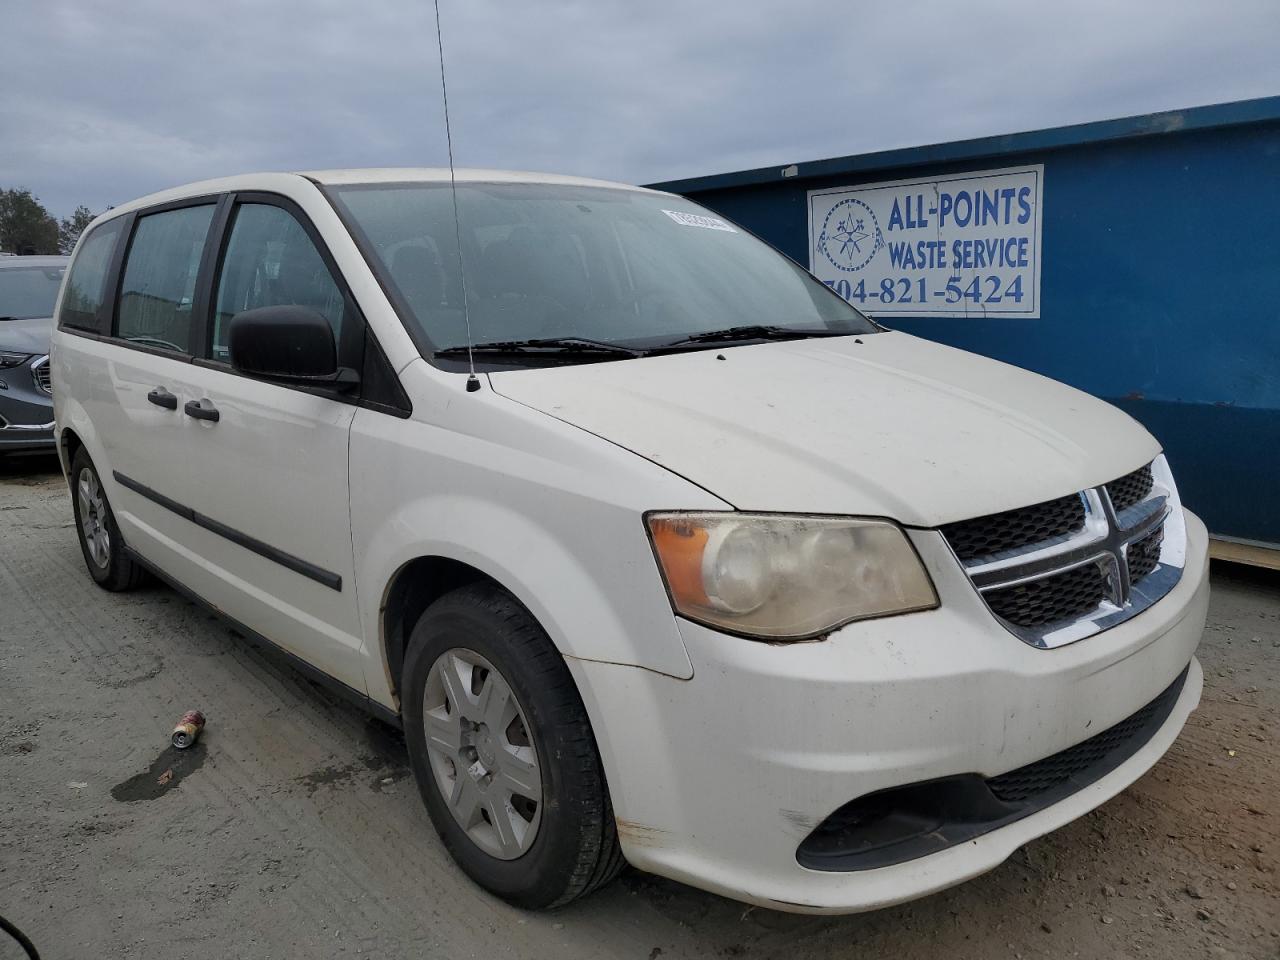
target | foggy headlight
x=784, y=577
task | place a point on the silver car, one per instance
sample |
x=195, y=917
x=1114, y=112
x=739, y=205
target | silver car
x=28, y=291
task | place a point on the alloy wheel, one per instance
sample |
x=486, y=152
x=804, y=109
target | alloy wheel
x=93, y=517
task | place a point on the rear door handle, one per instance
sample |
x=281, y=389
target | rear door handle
x=201, y=409
x=163, y=398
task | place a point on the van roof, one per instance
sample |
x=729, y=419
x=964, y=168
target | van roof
x=268, y=181
x=462, y=175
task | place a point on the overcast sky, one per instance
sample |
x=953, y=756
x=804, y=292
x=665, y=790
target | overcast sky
x=103, y=102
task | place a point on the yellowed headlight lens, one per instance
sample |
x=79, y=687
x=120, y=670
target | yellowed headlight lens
x=784, y=577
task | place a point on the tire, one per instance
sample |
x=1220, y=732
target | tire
x=100, y=542
x=569, y=845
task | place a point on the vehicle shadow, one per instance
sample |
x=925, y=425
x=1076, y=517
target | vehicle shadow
x=29, y=469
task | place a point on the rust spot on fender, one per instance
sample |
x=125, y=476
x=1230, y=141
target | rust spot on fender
x=640, y=834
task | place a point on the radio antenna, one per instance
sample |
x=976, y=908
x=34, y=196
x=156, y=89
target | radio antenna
x=473, y=382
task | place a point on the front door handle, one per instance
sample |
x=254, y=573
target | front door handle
x=201, y=409
x=163, y=398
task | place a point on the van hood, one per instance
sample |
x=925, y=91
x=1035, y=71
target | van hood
x=883, y=424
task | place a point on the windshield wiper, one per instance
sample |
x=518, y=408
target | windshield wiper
x=146, y=341
x=545, y=346
x=756, y=332
x=14, y=318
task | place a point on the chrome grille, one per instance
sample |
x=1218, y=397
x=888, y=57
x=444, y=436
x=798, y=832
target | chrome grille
x=1144, y=555
x=987, y=536
x=1065, y=569
x=1062, y=596
x=40, y=374
x=1130, y=489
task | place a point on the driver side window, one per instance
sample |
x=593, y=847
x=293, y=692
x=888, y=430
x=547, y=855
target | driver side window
x=271, y=261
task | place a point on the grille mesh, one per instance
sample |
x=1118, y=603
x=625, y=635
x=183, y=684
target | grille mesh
x=1130, y=489
x=1018, y=786
x=42, y=376
x=1144, y=555
x=984, y=536
x=1041, y=602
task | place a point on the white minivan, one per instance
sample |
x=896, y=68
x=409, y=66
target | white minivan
x=659, y=551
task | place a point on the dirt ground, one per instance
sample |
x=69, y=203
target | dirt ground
x=295, y=831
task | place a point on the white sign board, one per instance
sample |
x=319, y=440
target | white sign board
x=955, y=246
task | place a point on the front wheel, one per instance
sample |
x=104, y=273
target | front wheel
x=503, y=752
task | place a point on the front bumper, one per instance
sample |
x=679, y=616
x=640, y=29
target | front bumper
x=717, y=780
x=25, y=438
x=26, y=413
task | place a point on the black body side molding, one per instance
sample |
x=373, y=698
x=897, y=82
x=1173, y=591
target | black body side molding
x=309, y=570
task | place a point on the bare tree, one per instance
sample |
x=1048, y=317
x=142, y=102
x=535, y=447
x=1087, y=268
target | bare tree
x=70, y=228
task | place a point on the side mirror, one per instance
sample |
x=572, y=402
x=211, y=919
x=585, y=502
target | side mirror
x=289, y=344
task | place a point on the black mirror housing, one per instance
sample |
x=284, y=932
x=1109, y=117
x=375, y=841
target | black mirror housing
x=289, y=343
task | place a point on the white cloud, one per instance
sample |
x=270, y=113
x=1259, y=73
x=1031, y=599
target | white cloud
x=104, y=102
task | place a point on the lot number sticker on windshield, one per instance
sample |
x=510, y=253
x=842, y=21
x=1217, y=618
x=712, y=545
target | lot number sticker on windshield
x=699, y=220
x=960, y=246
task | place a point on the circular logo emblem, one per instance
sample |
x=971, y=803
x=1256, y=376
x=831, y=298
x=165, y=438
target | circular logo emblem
x=850, y=235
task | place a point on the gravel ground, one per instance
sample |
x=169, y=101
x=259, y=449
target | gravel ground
x=295, y=830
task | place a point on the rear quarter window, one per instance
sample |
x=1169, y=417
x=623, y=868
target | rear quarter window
x=86, y=282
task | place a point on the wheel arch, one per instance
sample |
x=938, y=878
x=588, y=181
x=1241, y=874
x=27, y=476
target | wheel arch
x=416, y=585
x=593, y=586
x=68, y=443
x=75, y=430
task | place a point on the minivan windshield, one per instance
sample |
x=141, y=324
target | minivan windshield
x=28, y=292
x=580, y=270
